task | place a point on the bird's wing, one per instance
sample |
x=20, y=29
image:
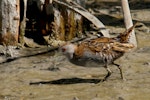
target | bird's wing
x=99, y=44
x=107, y=45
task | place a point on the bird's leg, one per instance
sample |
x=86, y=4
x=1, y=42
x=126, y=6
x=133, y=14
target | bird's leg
x=108, y=74
x=120, y=69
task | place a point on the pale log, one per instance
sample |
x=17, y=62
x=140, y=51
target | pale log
x=128, y=21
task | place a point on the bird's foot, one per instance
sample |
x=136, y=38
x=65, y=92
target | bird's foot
x=103, y=80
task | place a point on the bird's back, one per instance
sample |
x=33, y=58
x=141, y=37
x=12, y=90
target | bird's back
x=98, y=49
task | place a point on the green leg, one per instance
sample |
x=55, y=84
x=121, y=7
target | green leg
x=120, y=69
x=108, y=74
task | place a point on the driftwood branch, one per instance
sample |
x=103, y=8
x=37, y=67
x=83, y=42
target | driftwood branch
x=80, y=10
x=128, y=21
x=27, y=52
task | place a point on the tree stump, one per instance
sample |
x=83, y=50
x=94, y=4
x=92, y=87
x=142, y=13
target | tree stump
x=9, y=22
x=65, y=24
x=59, y=19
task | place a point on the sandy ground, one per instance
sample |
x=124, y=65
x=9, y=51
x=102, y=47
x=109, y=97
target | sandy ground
x=51, y=76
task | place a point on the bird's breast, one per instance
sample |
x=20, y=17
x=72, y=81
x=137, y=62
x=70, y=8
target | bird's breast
x=92, y=55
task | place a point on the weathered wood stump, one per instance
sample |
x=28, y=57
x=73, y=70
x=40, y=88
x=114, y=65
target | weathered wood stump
x=60, y=22
x=67, y=24
x=9, y=22
x=59, y=19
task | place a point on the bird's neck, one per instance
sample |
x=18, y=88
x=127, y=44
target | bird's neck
x=79, y=49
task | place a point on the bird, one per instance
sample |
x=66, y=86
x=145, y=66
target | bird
x=103, y=49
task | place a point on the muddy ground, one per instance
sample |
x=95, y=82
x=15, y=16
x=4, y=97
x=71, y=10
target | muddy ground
x=50, y=76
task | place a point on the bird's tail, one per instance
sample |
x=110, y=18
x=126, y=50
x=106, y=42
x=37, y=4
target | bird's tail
x=124, y=37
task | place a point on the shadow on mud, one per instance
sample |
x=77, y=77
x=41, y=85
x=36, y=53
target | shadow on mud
x=67, y=81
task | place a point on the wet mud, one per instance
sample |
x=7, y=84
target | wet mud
x=50, y=76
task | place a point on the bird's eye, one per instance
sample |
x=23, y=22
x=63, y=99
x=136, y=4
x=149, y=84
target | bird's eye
x=63, y=49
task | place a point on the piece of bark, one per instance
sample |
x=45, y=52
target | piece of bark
x=23, y=23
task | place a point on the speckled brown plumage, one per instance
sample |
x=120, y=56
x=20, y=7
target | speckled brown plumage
x=104, y=48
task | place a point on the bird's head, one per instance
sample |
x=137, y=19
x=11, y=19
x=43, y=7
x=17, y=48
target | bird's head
x=68, y=50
